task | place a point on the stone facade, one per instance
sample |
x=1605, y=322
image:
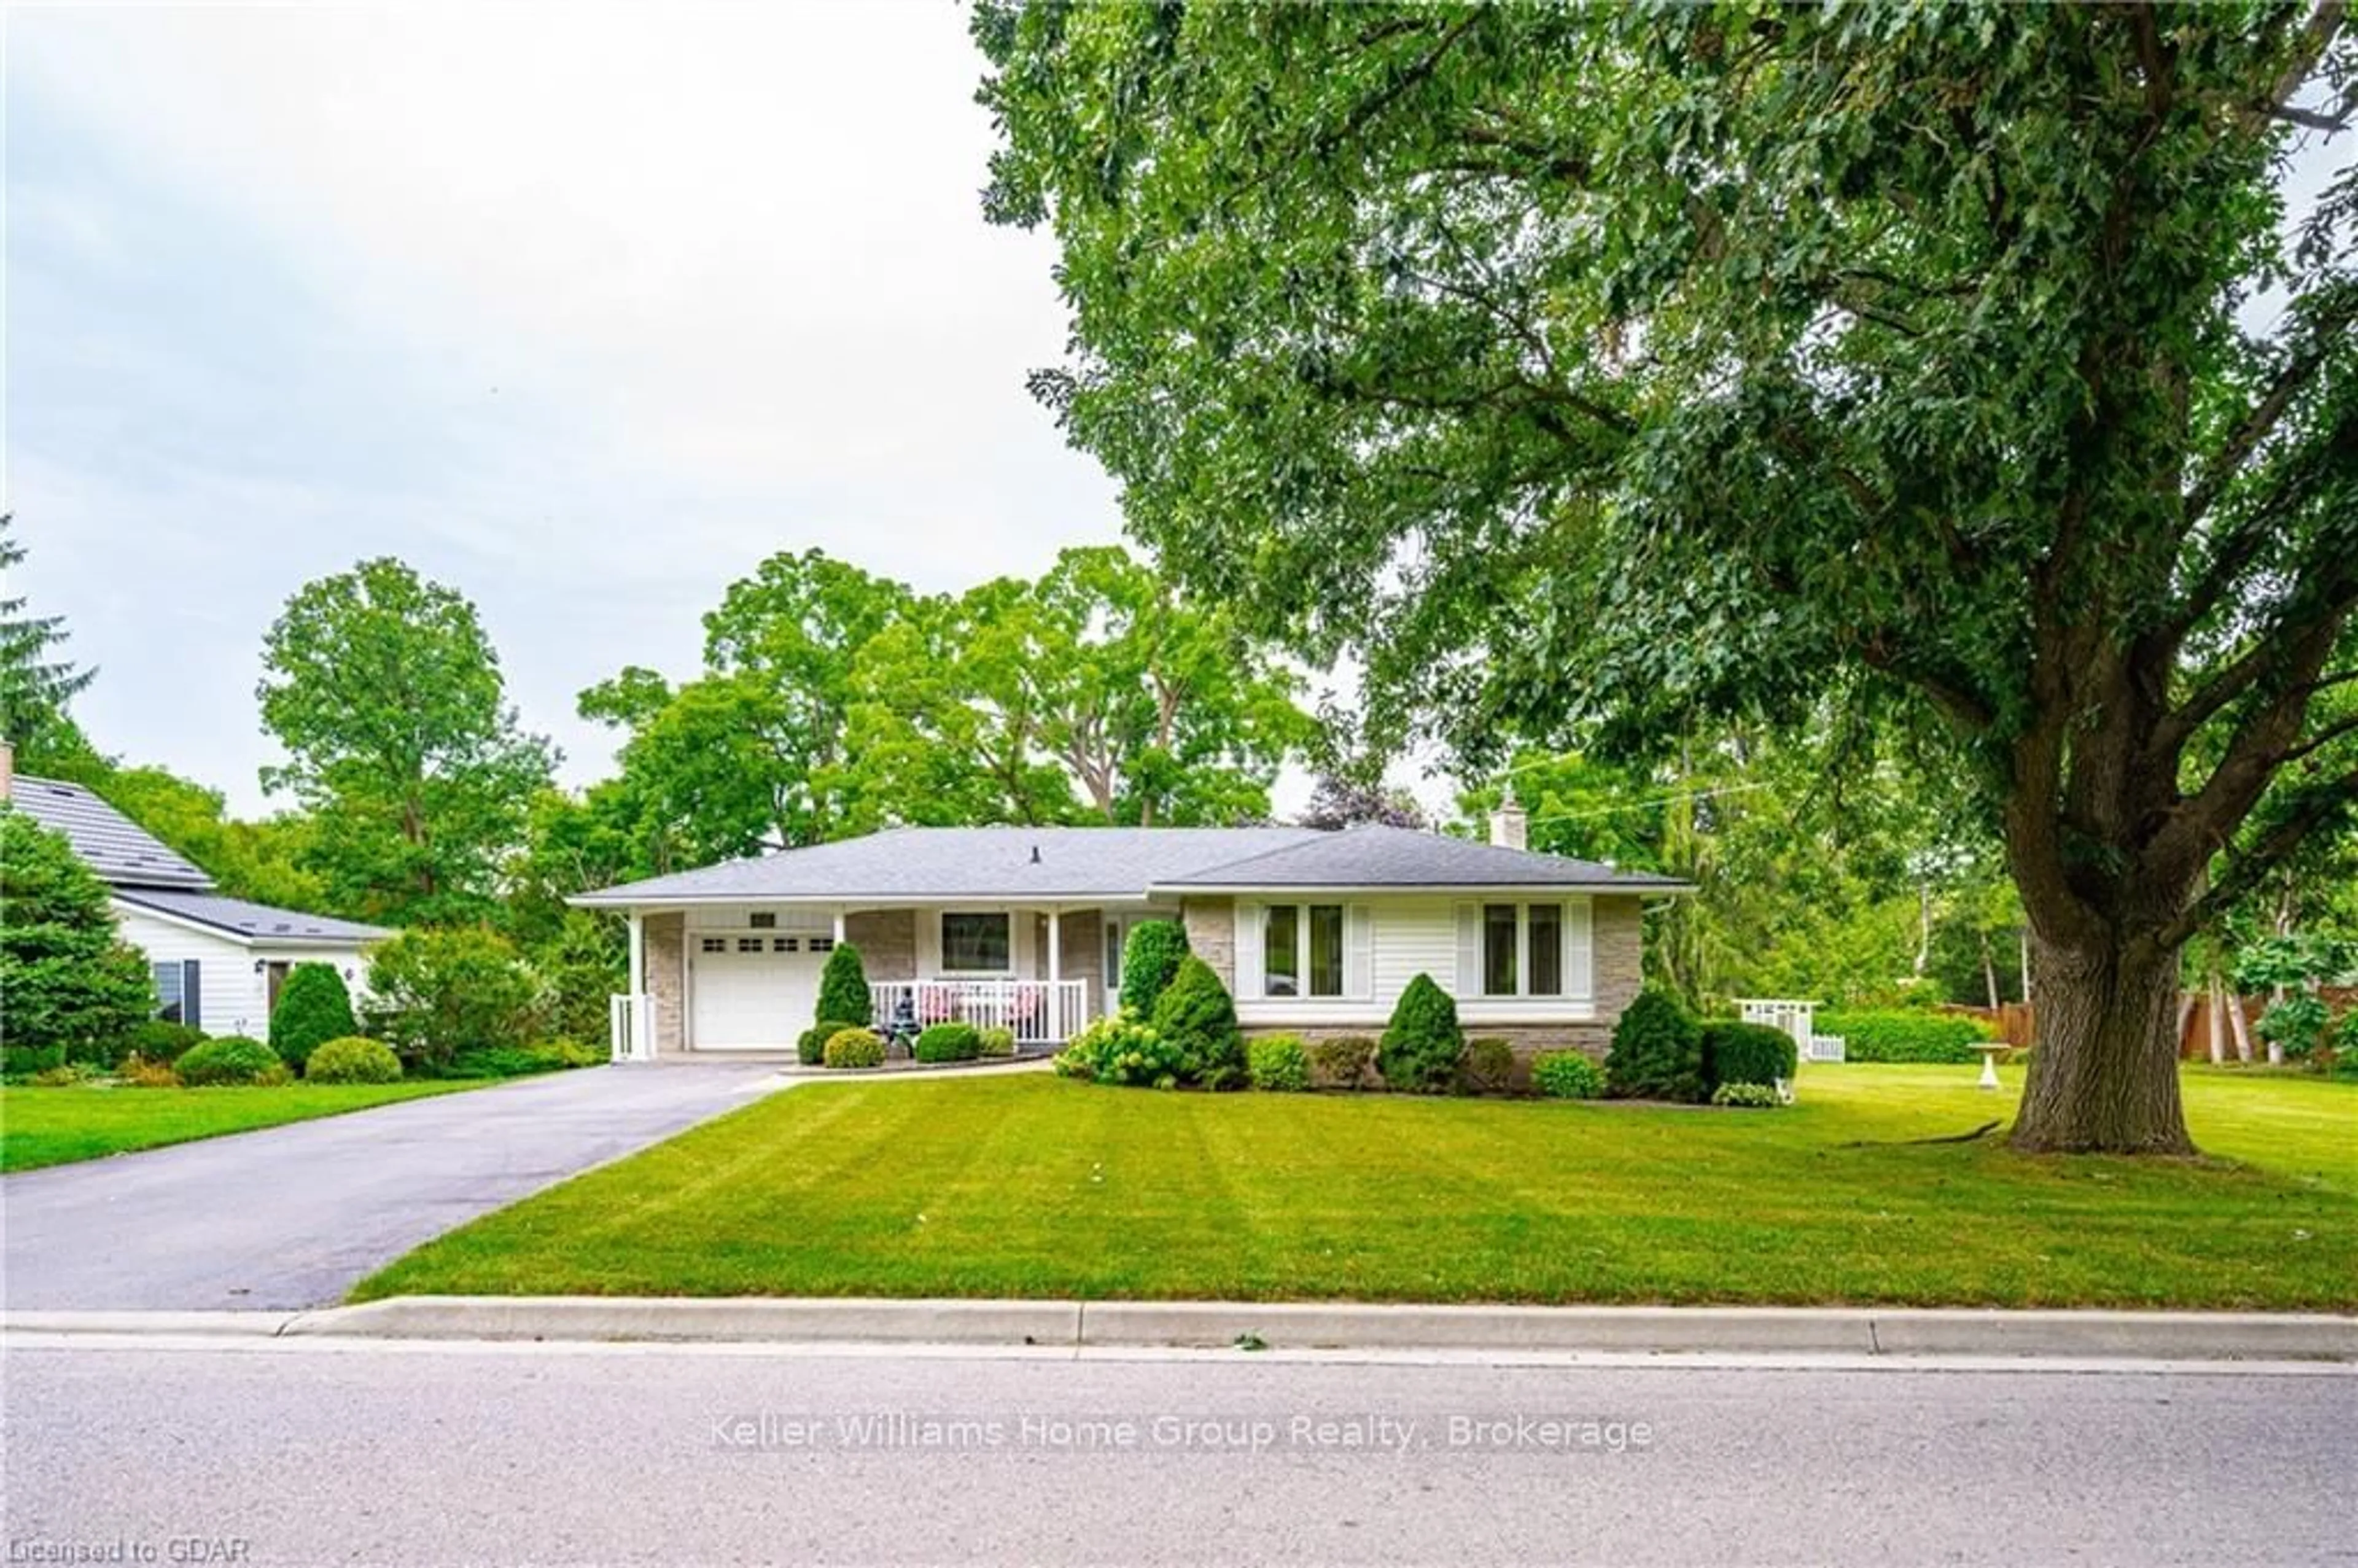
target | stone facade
x=887, y=940
x=665, y=939
x=1211, y=925
x=1619, y=940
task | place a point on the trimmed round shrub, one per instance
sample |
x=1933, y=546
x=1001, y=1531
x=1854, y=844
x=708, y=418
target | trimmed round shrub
x=1120, y=1049
x=1150, y=962
x=999, y=1042
x=313, y=1009
x=1489, y=1068
x=1738, y=1053
x=843, y=988
x=1905, y=1034
x=1746, y=1097
x=1342, y=1063
x=161, y=1040
x=232, y=1059
x=949, y=1043
x=1280, y=1062
x=1420, y=1052
x=352, y=1059
x=1567, y=1074
x=810, y=1050
x=1198, y=1017
x=854, y=1048
x=1657, y=1053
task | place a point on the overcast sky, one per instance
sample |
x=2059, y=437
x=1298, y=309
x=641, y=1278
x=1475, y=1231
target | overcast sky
x=581, y=311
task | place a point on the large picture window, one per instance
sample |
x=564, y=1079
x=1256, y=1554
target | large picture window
x=975, y=944
x=1301, y=950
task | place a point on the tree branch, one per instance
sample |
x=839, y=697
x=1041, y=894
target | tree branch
x=2263, y=415
x=2252, y=866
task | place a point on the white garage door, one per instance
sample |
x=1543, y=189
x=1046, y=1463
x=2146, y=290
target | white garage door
x=752, y=991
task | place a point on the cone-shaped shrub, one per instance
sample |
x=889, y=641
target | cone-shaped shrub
x=1657, y=1053
x=313, y=1009
x=1150, y=962
x=843, y=988
x=1198, y=1017
x=1423, y=1045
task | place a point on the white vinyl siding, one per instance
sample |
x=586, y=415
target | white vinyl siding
x=232, y=994
x=1388, y=942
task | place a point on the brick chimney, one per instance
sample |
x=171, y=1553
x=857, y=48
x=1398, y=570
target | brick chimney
x=1511, y=824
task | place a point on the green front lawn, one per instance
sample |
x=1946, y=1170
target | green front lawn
x=1034, y=1187
x=53, y=1127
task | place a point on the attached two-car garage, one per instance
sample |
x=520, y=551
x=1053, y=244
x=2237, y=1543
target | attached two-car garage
x=752, y=991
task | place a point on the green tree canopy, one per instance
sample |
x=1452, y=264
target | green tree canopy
x=35, y=683
x=71, y=989
x=386, y=694
x=1646, y=365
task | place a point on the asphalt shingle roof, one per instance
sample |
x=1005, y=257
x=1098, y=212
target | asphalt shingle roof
x=117, y=848
x=139, y=869
x=1375, y=856
x=924, y=863
x=258, y=921
x=967, y=862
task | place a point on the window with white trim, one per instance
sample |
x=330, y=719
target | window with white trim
x=978, y=942
x=1301, y=950
x=1523, y=949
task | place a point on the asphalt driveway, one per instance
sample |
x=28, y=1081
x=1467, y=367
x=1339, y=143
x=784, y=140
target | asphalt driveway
x=291, y=1216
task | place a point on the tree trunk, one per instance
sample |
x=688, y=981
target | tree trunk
x=2218, y=1018
x=2104, y=1078
x=2242, y=1029
x=1989, y=972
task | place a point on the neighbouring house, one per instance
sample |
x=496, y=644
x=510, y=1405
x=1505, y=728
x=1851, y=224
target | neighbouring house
x=218, y=962
x=1314, y=932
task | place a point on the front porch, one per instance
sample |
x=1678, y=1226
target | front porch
x=716, y=978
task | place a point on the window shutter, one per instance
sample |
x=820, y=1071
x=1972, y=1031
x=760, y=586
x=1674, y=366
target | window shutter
x=1248, y=958
x=191, y=1009
x=1579, y=947
x=1469, y=950
x=1358, y=952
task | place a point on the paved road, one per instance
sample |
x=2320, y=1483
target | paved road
x=290, y=1216
x=428, y=1454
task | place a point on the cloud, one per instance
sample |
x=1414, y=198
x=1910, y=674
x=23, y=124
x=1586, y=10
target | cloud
x=584, y=311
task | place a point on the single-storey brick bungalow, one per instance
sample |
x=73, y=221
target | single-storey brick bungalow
x=1314, y=932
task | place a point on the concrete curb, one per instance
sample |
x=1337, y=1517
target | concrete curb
x=1287, y=1325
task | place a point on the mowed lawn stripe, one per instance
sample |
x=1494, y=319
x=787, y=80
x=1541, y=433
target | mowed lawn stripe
x=1032, y=1186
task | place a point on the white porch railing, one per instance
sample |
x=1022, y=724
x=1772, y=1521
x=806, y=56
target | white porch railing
x=630, y=1028
x=1041, y=1013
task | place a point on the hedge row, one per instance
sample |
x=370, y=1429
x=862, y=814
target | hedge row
x=1902, y=1035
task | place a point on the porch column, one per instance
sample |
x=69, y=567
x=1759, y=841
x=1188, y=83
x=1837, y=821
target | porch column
x=1056, y=1009
x=636, y=1008
x=839, y=926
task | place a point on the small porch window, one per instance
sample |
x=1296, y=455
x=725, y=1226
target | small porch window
x=977, y=943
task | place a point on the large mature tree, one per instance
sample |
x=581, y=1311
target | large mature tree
x=387, y=695
x=36, y=682
x=754, y=753
x=834, y=702
x=1654, y=362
